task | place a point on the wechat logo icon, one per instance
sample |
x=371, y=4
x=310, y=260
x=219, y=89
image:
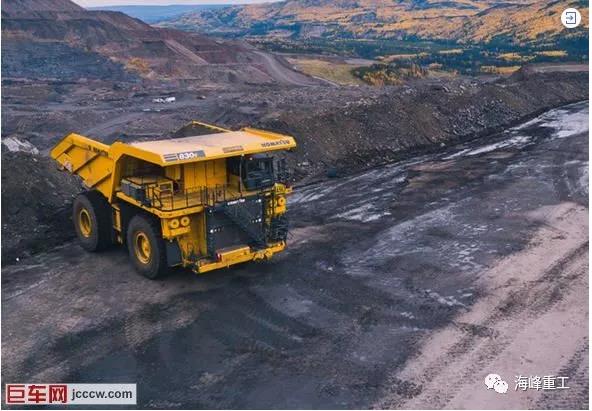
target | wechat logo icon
x=495, y=382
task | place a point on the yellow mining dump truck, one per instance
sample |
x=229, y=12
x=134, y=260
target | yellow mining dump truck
x=205, y=201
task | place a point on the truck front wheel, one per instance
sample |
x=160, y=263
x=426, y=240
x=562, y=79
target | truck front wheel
x=146, y=247
x=92, y=221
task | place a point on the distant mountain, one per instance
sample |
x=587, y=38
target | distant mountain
x=56, y=39
x=154, y=14
x=463, y=21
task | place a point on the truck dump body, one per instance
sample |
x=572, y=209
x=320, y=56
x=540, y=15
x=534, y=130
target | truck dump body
x=217, y=199
x=86, y=158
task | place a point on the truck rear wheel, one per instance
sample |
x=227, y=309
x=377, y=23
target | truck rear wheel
x=146, y=247
x=92, y=221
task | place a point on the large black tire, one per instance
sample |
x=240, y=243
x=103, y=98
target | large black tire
x=91, y=214
x=146, y=247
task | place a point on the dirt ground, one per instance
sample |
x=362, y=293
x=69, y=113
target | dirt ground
x=535, y=306
x=403, y=286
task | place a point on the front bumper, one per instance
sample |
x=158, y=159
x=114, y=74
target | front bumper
x=236, y=255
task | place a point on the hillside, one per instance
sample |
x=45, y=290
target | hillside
x=463, y=21
x=153, y=14
x=15, y=7
x=57, y=39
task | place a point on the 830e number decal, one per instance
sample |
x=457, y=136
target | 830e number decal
x=186, y=155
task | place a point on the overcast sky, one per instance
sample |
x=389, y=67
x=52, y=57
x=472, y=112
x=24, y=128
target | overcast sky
x=93, y=3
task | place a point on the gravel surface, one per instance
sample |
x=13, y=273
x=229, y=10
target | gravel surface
x=402, y=286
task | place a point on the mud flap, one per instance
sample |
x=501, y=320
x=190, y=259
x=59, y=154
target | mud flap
x=173, y=253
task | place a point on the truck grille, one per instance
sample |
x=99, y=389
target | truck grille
x=236, y=222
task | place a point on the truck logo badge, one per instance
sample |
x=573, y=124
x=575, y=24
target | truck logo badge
x=275, y=143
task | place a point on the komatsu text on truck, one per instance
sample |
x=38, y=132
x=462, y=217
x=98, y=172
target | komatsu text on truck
x=205, y=201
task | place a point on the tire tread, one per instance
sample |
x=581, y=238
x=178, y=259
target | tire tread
x=101, y=210
x=151, y=226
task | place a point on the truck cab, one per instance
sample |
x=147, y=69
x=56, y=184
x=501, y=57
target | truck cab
x=253, y=172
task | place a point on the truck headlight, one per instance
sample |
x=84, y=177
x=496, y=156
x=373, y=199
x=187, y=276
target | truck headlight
x=185, y=221
x=174, y=223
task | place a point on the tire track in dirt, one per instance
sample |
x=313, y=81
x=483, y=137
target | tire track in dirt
x=449, y=371
x=577, y=396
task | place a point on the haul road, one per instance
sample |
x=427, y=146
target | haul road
x=398, y=288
